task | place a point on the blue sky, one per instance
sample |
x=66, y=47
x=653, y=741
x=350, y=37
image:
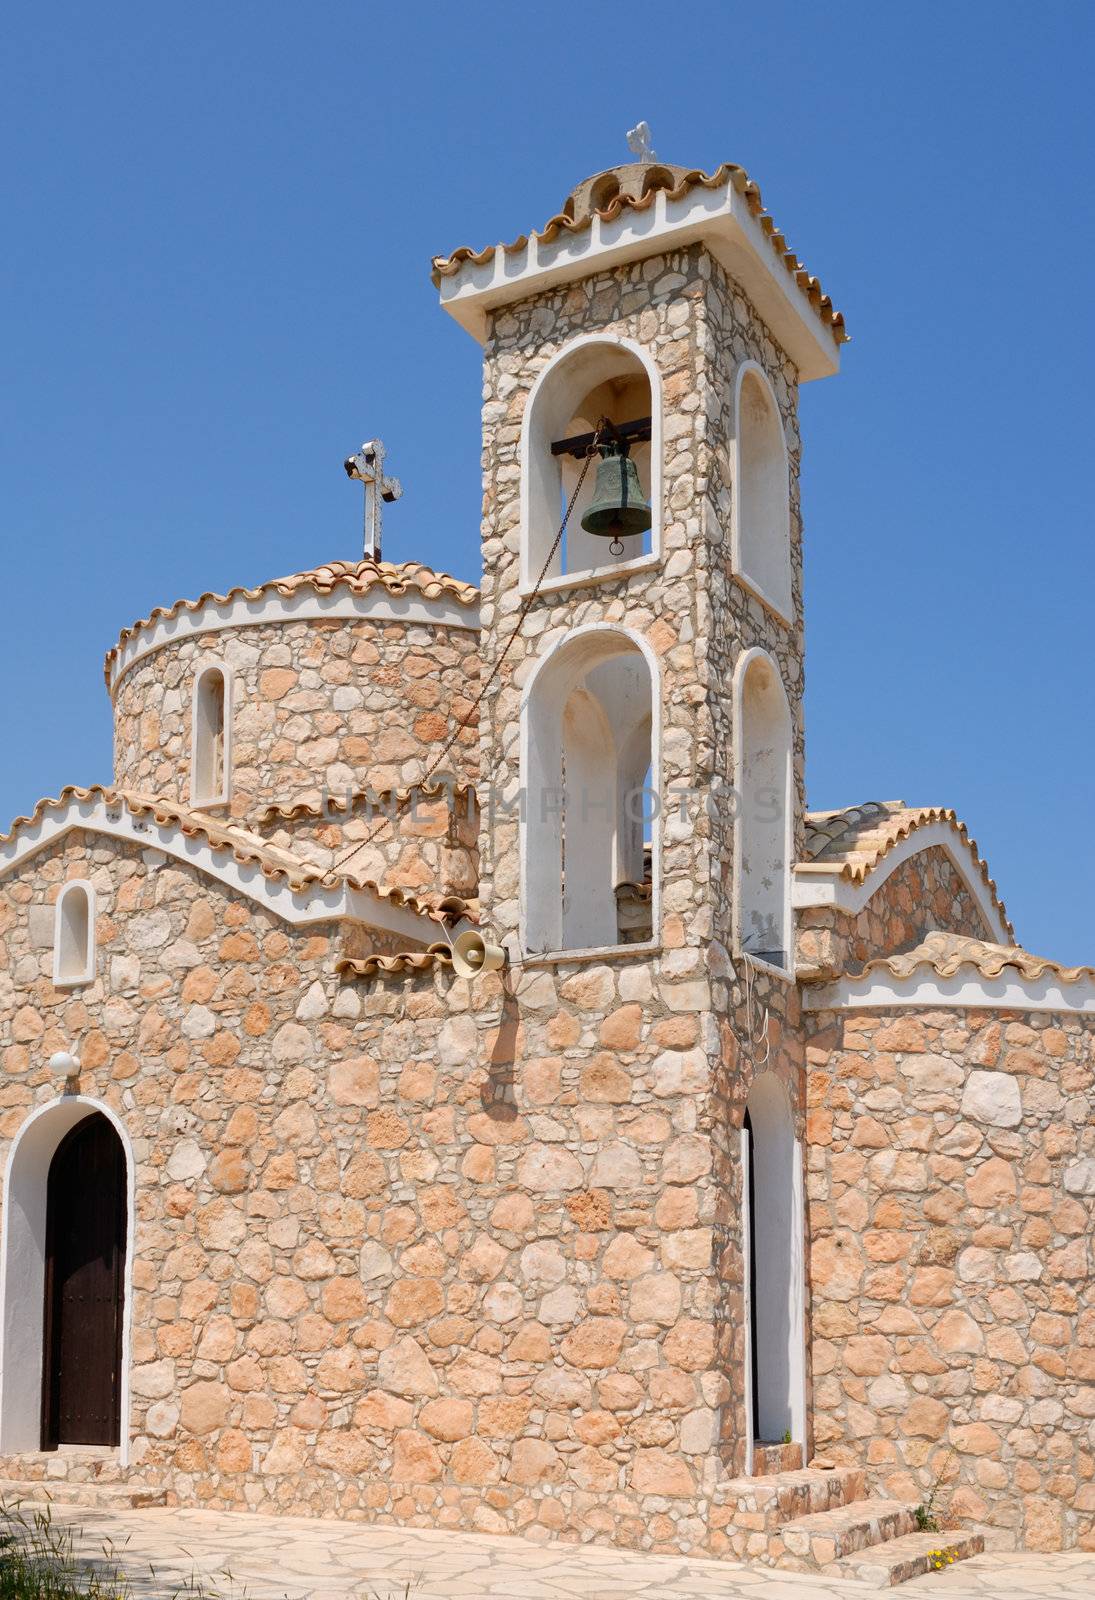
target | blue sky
x=219, y=221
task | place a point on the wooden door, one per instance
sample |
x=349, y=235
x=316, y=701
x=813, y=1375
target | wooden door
x=85, y=1287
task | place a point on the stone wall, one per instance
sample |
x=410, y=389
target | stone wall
x=404, y=1250
x=341, y=704
x=951, y=1220
x=422, y=840
x=923, y=894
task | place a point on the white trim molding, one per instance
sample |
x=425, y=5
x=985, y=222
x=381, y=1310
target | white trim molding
x=316, y=902
x=818, y=884
x=305, y=605
x=879, y=990
x=22, y=1270
x=719, y=218
x=84, y=972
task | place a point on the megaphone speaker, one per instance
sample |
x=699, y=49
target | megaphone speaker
x=473, y=955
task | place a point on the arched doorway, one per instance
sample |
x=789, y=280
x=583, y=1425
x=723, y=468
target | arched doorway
x=772, y=1195
x=26, y=1344
x=84, y=1287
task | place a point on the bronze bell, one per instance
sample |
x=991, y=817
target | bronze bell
x=617, y=509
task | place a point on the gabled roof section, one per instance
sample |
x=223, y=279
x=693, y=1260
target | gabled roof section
x=663, y=208
x=851, y=845
x=397, y=581
x=298, y=889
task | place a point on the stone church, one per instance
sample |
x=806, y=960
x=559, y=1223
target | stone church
x=449, y=1076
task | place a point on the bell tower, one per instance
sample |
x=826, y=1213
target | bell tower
x=641, y=738
x=662, y=305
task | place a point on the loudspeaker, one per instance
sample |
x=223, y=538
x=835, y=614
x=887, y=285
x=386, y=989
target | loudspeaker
x=472, y=955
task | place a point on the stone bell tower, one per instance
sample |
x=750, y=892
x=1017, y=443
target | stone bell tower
x=663, y=292
x=665, y=300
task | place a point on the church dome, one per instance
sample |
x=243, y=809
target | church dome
x=350, y=675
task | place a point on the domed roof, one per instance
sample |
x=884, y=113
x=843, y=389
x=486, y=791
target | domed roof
x=353, y=577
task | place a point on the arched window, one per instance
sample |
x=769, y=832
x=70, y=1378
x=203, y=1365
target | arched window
x=592, y=378
x=210, y=738
x=589, y=763
x=761, y=516
x=763, y=833
x=74, y=935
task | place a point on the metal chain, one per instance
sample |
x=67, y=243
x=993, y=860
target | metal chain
x=496, y=669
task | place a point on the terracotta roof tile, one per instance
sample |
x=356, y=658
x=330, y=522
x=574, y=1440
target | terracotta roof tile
x=357, y=577
x=335, y=807
x=947, y=953
x=851, y=842
x=693, y=178
x=247, y=848
x=437, y=955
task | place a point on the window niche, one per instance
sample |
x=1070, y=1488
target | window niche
x=589, y=869
x=74, y=935
x=763, y=832
x=210, y=738
x=592, y=378
x=761, y=507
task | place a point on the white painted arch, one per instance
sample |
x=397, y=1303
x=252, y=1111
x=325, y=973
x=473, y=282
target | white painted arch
x=760, y=508
x=22, y=1269
x=777, y=1226
x=820, y=884
x=580, y=367
x=564, y=669
x=765, y=790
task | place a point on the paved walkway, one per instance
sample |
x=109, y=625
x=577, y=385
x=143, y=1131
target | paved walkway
x=295, y=1558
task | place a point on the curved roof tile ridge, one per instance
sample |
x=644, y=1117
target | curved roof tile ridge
x=852, y=841
x=338, y=809
x=946, y=954
x=357, y=577
x=693, y=178
x=273, y=861
x=436, y=955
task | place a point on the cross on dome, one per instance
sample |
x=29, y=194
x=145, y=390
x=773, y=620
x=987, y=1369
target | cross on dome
x=368, y=467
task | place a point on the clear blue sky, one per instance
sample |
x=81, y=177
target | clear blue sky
x=218, y=223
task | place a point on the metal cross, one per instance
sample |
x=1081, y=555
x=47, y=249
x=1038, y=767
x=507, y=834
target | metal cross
x=638, y=142
x=368, y=466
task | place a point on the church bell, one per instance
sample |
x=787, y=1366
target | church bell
x=618, y=508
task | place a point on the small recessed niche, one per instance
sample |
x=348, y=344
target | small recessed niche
x=210, y=738
x=74, y=935
x=761, y=515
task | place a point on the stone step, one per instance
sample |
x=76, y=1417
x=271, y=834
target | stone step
x=66, y=1492
x=816, y=1541
x=71, y=1463
x=770, y=1458
x=884, y=1565
x=754, y=1508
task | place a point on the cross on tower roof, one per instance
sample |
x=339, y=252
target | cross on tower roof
x=638, y=142
x=368, y=467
